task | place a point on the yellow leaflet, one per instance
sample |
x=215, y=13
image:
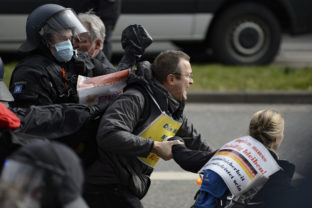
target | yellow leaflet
x=162, y=127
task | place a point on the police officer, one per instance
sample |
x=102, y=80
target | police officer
x=20, y=126
x=107, y=10
x=8, y=120
x=48, y=74
x=46, y=175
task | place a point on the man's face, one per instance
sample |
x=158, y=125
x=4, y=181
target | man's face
x=181, y=81
x=84, y=43
x=60, y=36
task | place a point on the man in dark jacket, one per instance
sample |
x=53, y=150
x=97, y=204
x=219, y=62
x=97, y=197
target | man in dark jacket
x=107, y=10
x=94, y=43
x=20, y=126
x=129, y=142
x=48, y=74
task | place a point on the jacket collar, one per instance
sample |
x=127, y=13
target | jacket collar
x=165, y=100
x=144, y=80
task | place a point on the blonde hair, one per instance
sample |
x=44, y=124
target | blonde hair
x=265, y=126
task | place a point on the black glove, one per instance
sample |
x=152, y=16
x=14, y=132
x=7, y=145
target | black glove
x=135, y=39
x=173, y=138
x=82, y=63
x=127, y=62
x=144, y=70
x=97, y=110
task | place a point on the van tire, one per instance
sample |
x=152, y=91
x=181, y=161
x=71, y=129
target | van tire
x=246, y=34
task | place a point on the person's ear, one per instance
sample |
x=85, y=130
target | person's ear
x=170, y=79
x=98, y=44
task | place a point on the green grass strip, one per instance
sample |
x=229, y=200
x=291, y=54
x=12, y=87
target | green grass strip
x=251, y=78
x=239, y=78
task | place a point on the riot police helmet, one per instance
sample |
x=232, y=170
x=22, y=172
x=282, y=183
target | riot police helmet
x=47, y=174
x=47, y=20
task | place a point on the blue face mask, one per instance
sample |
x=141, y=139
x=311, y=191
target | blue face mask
x=64, y=51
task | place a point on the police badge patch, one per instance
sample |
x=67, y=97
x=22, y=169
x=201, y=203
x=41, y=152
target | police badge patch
x=18, y=89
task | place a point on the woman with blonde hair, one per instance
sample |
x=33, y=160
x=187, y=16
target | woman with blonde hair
x=267, y=127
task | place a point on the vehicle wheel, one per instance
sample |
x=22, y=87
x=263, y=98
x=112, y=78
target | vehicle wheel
x=247, y=34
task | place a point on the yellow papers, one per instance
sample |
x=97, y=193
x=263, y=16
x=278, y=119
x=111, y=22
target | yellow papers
x=162, y=127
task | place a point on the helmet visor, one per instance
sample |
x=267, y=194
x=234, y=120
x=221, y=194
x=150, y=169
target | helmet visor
x=27, y=179
x=65, y=20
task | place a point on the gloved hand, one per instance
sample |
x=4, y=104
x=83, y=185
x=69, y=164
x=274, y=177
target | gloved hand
x=135, y=39
x=97, y=110
x=81, y=62
x=144, y=70
x=175, y=138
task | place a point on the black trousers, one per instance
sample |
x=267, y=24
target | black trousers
x=110, y=196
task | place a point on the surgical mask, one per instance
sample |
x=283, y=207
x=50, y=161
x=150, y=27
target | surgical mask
x=64, y=51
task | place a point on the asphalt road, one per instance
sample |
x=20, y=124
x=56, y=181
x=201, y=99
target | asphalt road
x=295, y=51
x=218, y=123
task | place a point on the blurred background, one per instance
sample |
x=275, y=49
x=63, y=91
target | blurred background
x=241, y=46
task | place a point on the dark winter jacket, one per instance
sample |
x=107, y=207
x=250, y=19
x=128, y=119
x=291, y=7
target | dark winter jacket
x=72, y=124
x=118, y=139
x=277, y=191
x=41, y=80
x=9, y=139
x=109, y=68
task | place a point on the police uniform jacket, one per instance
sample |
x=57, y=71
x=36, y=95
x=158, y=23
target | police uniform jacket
x=40, y=80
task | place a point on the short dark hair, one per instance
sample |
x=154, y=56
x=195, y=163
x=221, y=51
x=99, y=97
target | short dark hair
x=167, y=63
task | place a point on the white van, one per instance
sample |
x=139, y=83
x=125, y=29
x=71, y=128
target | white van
x=236, y=31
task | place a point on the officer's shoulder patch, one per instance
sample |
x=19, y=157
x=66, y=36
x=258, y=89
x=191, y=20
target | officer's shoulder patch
x=18, y=89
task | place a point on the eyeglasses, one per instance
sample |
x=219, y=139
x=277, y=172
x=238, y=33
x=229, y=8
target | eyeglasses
x=190, y=76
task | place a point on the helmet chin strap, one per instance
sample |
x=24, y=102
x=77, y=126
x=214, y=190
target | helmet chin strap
x=45, y=42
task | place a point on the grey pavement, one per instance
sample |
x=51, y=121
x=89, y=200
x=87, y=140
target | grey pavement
x=218, y=123
x=281, y=97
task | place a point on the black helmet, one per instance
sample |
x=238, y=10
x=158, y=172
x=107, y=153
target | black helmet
x=49, y=18
x=5, y=94
x=49, y=174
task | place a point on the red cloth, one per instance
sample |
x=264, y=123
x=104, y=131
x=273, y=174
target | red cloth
x=8, y=120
